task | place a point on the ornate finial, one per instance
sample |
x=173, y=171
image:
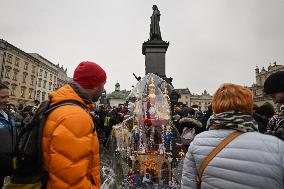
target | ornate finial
x=165, y=88
x=166, y=91
x=137, y=102
x=152, y=90
x=152, y=85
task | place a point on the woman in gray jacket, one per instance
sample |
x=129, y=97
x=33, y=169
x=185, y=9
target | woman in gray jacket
x=250, y=161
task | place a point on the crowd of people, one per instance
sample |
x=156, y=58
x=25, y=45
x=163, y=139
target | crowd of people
x=234, y=144
x=105, y=117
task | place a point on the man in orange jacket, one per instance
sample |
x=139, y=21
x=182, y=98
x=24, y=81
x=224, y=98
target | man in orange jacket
x=70, y=144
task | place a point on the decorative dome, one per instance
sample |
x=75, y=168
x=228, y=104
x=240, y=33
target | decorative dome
x=117, y=95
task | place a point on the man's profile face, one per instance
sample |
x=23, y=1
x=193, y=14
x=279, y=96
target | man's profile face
x=4, y=98
x=278, y=97
x=98, y=92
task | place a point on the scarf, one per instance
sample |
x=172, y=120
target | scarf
x=80, y=92
x=232, y=120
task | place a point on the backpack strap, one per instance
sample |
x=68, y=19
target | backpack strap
x=65, y=102
x=42, y=122
x=51, y=108
x=212, y=154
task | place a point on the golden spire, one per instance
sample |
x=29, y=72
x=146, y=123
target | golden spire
x=152, y=85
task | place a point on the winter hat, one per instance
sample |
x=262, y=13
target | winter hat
x=89, y=75
x=274, y=83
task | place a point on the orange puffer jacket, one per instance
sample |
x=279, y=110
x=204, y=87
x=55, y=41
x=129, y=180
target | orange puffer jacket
x=70, y=144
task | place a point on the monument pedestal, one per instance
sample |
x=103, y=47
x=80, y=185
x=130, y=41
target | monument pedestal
x=155, y=51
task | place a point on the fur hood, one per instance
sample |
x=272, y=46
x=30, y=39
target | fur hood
x=190, y=121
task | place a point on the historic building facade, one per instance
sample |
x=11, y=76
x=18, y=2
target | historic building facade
x=184, y=96
x=257, y=88
x=19, y=72
x=188, y=99
x=28, y=75
x=46, y=78
x=202, y=101
x=62, y=76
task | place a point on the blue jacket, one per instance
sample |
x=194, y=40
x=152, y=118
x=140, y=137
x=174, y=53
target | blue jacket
x=8, y=137
x=251, y=161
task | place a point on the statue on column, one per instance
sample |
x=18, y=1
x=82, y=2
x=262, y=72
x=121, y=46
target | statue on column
x=155, y=32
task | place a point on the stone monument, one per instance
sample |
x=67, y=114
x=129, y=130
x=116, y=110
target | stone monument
x=155, y=48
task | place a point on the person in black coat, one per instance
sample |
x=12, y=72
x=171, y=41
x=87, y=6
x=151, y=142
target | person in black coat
x=262, y=116
x=8, y=135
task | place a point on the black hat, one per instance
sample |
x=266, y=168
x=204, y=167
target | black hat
x=274, y=83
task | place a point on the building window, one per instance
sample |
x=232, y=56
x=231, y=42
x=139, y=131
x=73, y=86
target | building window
x=45, y=74
x=7, y=73
x=23, y=90
x=13, y=89
x=40, y=72
x=15, y=74
x=38, y=95
x=39, y=82
x=17, y=61
x=30, y=93
x=50, y=77
x=186, y=97
x=54, y=78
x=50, y=84
x=43, y=96
x=26, y=66
x=33, y=68
x=9, y=58
x=44, y=84
x=32, y=79
x=24, y=77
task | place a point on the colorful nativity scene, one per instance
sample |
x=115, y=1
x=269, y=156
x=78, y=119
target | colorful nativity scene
x=146, y=147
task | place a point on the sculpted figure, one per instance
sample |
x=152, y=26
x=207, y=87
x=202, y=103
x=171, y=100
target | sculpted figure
x=155, y=32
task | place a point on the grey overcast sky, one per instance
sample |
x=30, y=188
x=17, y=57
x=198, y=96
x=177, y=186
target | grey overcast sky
x=211, y=41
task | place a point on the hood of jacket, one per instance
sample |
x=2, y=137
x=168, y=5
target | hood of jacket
x=71, y=91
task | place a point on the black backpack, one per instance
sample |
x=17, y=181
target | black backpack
x=28, y=167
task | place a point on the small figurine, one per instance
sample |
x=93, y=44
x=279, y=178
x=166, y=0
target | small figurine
x=168, y=135
x=162, y=149
x=181, y=154
x=151, y=101
x=136, y=137
x=165, y=108
x=137, y=105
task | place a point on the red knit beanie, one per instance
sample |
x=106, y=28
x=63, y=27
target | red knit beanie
x=89, y=75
